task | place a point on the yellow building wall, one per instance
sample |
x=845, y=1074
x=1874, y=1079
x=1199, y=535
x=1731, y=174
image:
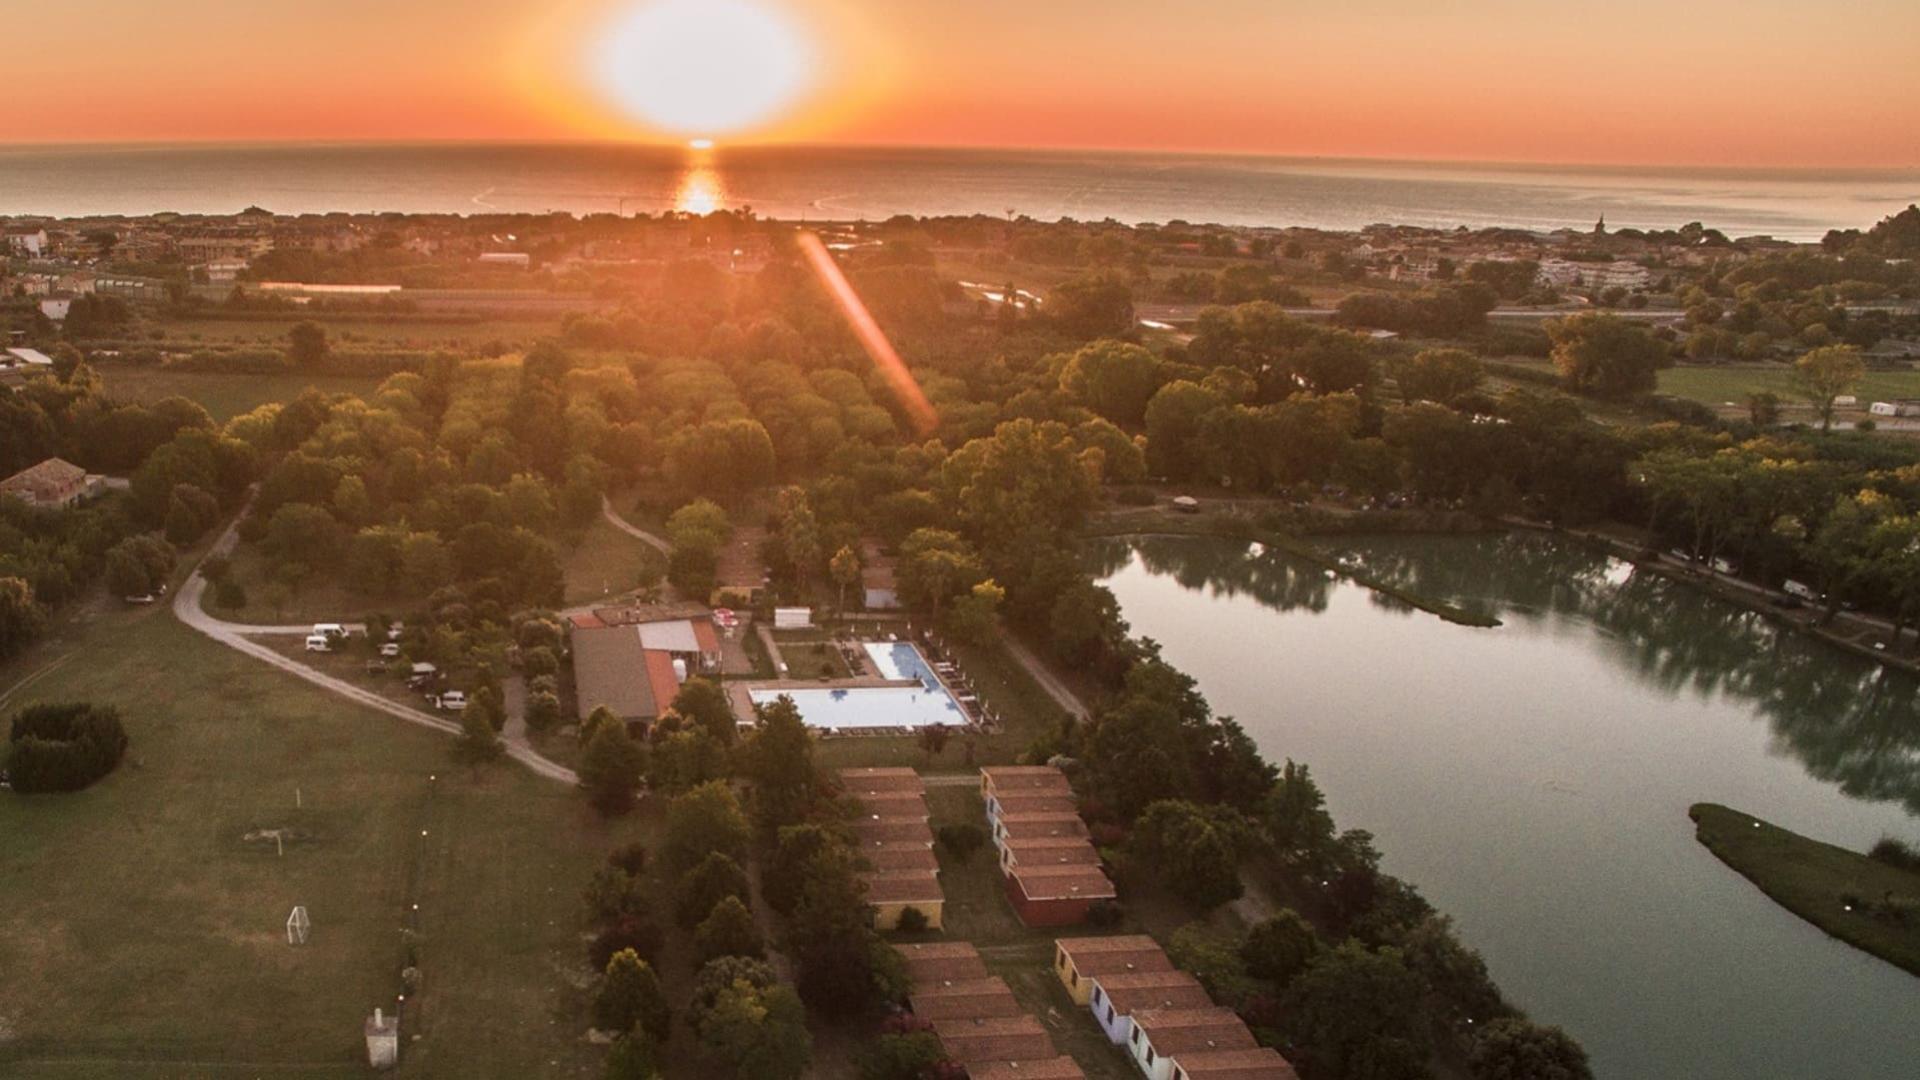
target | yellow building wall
x=887, y=916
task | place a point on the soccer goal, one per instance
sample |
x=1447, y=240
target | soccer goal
x=298, y=926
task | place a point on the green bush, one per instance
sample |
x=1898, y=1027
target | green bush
x=64, y=747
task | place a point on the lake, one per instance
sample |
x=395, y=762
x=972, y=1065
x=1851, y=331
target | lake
x=874, y=183
x=1533, y=779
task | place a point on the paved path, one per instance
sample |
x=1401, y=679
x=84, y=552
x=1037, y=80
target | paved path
x=1057, y=690
x=237, y=636
x=635, y=531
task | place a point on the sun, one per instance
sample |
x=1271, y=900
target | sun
x=704, y=67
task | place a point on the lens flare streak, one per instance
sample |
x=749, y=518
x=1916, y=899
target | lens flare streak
x=873, y=339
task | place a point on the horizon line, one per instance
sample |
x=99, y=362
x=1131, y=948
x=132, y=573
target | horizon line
x=722, y=145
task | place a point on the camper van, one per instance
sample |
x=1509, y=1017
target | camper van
x=319, y=643
x=329, y=630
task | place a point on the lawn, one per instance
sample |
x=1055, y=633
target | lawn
x=389, y=332
x=1717, y=386
x=143, y=935
x=608, y=563
x=1818, y=882
x=224, y=395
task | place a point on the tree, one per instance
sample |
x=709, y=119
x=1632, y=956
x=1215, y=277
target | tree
x=729, y=930
x=701, y=701
x=760, y=1032
x=976, y=615
x=479, y=739
x=933, y=739
x=934, y=566
x=962, y=839
x=1514, y=1048
x=1297, y=821
x=1113, y=378
x=1279, y=948
x=63, y=747
x=21, y=617
x=784, y=875
x=704, y=821
x=1763, y=408
x=610, y=769
x=777, y=761
x=1194, y=850
x=307, y=345
x=1824, y=374
x=1439, y=375
x=719, y=975
x=913, y=1055
x=1174, y=418
x=631, y=1057
x=1093, y=305
x=844, y=569
x=629, y=997
x=1353, y=1005
x=716, y=878
x=1605, y=355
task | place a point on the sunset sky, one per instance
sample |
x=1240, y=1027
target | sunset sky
x=1711, y=82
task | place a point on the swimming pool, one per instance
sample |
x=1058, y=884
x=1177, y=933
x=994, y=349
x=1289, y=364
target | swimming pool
x=865, y=707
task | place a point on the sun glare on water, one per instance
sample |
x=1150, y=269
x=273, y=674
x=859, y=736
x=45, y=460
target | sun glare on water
x=703, y=67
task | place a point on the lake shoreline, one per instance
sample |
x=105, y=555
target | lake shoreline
x=1828, y=886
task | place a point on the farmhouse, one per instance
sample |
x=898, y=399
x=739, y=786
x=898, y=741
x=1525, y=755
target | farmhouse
x=1079, y=961
x=1161, y=1036
x=51, y=485
x=636, y=669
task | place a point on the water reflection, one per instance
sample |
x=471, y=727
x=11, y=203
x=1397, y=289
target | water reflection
x=700, y=190
x=1847, y=721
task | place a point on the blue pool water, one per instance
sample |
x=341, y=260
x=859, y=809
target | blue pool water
x=854, y=708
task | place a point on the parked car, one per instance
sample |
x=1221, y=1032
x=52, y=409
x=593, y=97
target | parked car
x=319, y=643
x=390, y=649
x=451, y=701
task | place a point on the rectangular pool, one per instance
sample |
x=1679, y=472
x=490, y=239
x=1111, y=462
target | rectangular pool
x=855, y=708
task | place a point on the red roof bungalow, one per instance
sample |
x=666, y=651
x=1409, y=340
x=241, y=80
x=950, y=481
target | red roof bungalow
x=936, y=961
x=1047, y=851
x=964, y=999
x=1012, y=1038
x=899, y=855
x=1057, y=895
x=1079, y=961
x=1162, y=1036
x=1053, y=824
x=1032, y=802
x=1264, y=1063
x=998, y=780
x=892, y=892
x=1059, y=1068
x=893, y=805
x=874, y=830
x=1117, y=997
x=874, y=779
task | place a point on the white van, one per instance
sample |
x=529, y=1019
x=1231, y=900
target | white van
x=329, y=630
x=452, y=701
x=319, y=643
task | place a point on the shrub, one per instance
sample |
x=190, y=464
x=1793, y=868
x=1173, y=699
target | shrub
x=1895, y=853
x=230, y=594
x=962, y=840
x=630, y=857
x=912, y=921
x=717, y=878
x=64, y=747
x=1104, y=914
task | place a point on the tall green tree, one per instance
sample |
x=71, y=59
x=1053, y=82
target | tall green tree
x=1823, y=375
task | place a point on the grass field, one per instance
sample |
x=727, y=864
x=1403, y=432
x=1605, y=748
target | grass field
x=607, y=563
x=223, y=395
x=1717, y=386
x=395, y=333
x=1818, y=881
x=142, y=936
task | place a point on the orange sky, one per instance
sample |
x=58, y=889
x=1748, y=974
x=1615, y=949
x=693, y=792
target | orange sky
x=1718, y=82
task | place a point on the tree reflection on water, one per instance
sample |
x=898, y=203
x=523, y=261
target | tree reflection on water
x=1847, y=720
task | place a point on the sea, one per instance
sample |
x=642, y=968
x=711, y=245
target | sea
x=865, y=183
